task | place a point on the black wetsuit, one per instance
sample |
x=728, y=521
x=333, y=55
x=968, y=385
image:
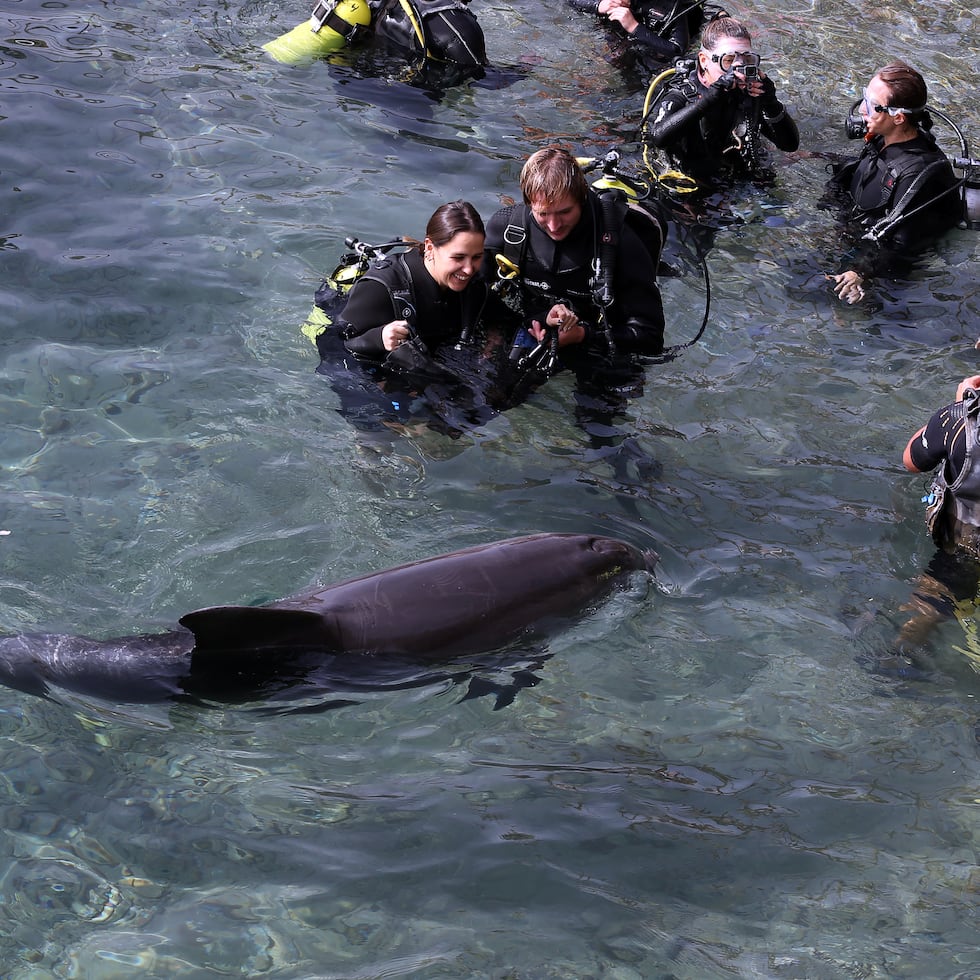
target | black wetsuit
x=888, y=181
x=434, y=384
x=399, y=284
x=551, y=271
x=664, y=29
x=950, y=440
x=712, y=133
x=942, y=441
x=608, y=372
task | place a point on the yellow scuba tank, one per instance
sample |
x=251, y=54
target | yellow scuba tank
x=335, y=287
x=331, y=26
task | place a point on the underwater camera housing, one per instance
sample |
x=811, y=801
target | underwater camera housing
x=856, y=128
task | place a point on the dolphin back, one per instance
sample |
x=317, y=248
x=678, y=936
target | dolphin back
x=222, y=629
x=474, y=600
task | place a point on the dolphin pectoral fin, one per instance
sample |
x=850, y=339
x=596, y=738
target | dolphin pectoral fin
x=505, y=680
x=224, y=629
x=481, y=686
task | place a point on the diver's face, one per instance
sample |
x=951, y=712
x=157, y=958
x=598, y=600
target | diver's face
x=728, y=53
x=558, y=218
x=454, y=264
x=878, y=123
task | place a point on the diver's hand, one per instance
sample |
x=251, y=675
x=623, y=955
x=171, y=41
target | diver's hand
x=727, y=82
x=395, y=334
x=762, y=87
x=566, y=335
x=849, y=286
x=620, y=13
x=972, y=382
x=570, y=330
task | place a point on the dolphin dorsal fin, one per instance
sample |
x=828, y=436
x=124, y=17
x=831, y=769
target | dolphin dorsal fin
x=226, y=629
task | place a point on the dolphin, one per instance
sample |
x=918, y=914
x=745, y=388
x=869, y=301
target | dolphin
x=370, y=632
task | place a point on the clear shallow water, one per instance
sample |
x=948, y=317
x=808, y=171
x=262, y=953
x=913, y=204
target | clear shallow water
x=704, y=782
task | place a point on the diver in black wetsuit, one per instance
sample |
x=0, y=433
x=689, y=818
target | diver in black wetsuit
x=581, y=276
x=553, y=241
x=900, y=194
x=431, y=293
x=709, y=119
x=403, y=321
x=661, y=29
x=947, y=443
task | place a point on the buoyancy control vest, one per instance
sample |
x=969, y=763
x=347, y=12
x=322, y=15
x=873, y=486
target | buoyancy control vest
x=442, y=30
x=611, y=211
x=396, y=275
x=953, y=511
x=726, y=131
x=873, y=180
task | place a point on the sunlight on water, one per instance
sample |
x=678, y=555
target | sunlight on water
x=701, y=778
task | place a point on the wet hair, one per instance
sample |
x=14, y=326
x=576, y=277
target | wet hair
x=722, y=27
x=906, y=90
x=551, y=174
x=450, y=219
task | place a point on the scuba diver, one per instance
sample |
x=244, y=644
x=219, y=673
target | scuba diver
x=432, y=290
x=431, y=32
x=443, y=31
x=704, y=127
x=659, y=31
x=397, y=325
x=581, y=282
x=552, y=246
x=900, y=192
x=949, y=441
x=708, y=116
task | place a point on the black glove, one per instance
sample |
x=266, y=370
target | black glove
x=726, y=83
x=768, y=99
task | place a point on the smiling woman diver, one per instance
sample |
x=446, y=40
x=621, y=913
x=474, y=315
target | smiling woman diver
x=429, y=294
x=399, y=327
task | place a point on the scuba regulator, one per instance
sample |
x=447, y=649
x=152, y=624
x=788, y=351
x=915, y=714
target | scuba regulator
x=855, y=128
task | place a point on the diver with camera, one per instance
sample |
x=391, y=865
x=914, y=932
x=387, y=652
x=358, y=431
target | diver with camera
x=900, y=194
x=709, y=116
